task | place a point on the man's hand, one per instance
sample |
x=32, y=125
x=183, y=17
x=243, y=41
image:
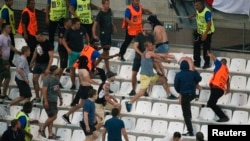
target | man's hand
x=27, y=80
x=96, y=37
x=46, y=105
x=203, y=37
x=88, y=129
x=69, y=51
x=46, y=72
x=61, y=101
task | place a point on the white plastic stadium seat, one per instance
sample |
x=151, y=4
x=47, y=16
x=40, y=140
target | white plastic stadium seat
x=34, y=130
x=13, y=111
x=204, y=130
x=159, y=109
x=78, y=134
x=113, y=51
x=12, y=79
x=35, y=113
x=3, y=127
x=204, y=96
x=115, y=86
x=225, y=99
x=125, y=72
x=64, y=133
x=171, y=75
x=238, y=65
x=144, y=138
x=196, y=128
x=67, y=99
x=143, y=107
x=174, y=126
x=123, y=105
x=239, y=99
x=130, y=138
x=228, y=112
x=143, y=125
x=238, y=82
x=205, y=79
x=206, y=114
x=195, y=110
x=160, y=127
x=125, y=89
x=19, y=43
x=158, y=92
x=129, y=55
x=240, y=117
x=248, y=84
x=77, y=116
x=14, y=93
x=114, y=67
x=55, y=61
x=129, y=122
x=43, y=116
x=66, y=82
x=175, y=111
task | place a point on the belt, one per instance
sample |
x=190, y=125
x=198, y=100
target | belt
x=159, y=44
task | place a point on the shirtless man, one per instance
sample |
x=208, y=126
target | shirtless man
x=161, y=40
x=85, y=86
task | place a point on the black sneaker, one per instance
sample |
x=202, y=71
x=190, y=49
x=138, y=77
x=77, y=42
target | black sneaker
x=132, y=93
x=172, y=97
x=66, y=118
x=54, y=137
x=42, y=133
x=225, y=119
x=197, y=65
x=73, y=104
x=122, y=58
x=146, y=94
x=206, y=66
x=5, y=97
x=36, y=100
x=67, y=70
x=61, y=86
x=110, y=91
x=73, y=87
x=188, y=134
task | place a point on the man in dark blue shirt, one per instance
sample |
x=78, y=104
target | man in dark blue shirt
x=114, y=127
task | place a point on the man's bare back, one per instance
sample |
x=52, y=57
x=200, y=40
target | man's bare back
x=160, y=34
x=83, y=77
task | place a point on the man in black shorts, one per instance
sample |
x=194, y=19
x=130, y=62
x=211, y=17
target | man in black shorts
x=85, y=86
x=107, y=27
x=63, y=54
x=139, y=41
x=22, y=81
x=41, y=61
x=51, y=92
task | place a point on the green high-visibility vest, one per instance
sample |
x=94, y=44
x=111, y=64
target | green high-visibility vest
x=11, y=18
x=58, y=10
x=83, y=11
x=201, y=22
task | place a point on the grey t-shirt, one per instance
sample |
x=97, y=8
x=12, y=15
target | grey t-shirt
x=53, y=88
x=5, y=46
x=23, y=64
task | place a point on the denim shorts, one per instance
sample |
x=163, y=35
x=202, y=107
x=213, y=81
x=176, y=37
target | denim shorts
x=163, y=48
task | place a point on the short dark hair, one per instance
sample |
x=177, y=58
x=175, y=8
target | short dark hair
x=115, y=112
x=24, y=49
x=177, y=134
x=103, y=1
x=75, y=20
x=13, y=123
x=92, y=92
x=27, y=106
x=199, y=136
x=66, y=20
x=28, y=2
x=4, y=25
x=83, y=62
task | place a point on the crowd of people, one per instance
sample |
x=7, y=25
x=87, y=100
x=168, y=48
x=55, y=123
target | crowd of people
x=78, y=48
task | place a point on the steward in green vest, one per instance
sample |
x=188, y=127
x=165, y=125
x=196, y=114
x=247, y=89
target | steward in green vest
x=203, y=34
x=82, y=10
x=56, y=11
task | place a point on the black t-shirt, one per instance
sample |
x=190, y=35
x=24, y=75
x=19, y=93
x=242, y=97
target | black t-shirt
x=10, y=135
x=61, y=32
x=74, y=39
x=43, y=57
x=104, y=20
x=25, y=19
x=140, y=38
x=101, y=92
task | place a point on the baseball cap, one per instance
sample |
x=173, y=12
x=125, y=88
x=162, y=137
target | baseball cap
x=53, y=68
x=147, y=26
x=110, y=74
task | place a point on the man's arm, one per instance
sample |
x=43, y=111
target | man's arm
x=93, y=6
x=94, y=30
x=211, y=56
x=14, y=49
x=21, y=73
x=32, y=62
x=51, y=56
x=177, y=84
x=65, y=44
x=104, y=131
x=192, y=15
x=146, y=11
x=86, y=120
x=47, y=13
x=87, y=38
x=136, y=45
x=228, y=86
x=124, y=133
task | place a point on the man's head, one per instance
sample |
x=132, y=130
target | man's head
x=105, y=4
x=199, y=136
x=149, y=45
x=40, y=37
x=199, y=5
x=115, y=112
x=223, y=61
x=94, y=43
x=92, y=94
x=9, y=2
x=15, y=124
x=6, y=28
x=153, y=20
x=67, y=22
x=176, y=136
x=83, y=62
x=27, y=107
x=147, y=28
x=76, y=23
x=25, y=51
x=111, y=76
x=54, y=70
x=135, y=2
x=31, y=4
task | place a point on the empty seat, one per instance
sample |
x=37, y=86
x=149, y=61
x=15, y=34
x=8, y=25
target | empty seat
x=239, y=99
x=204, y=130
x=171, y=75
x=129, y=55
x=12, y=79
x=248, y=84
x=76, y=118
x=237, y=65
x=175, y=111
x=160, y=127
x=114, y=67
x=238, y=82
x=35, y=113
x=115, y=86
x=3, y=112
x=14, y=93
x=173, y=91
x=3, y=127
x=78, y=134
x=43, y=116
x=67, y=99
x=143, y=125
x=130, y=138
x=206, y=114
x=174, y=126
x=125, y=89
x=205, y=79
x=13, y=111
x=158, y=92
x=225, y=99
x=34, y=131
x=144, y=138
x=64, y=133
x=195, y=110
x=240, y=117
x=113, y=51
x=247, y=70
x=19, y=43
x=204, y=96
x=159, y=109
x=66, y=82
x=125, y=72
x=143, y=107
x=129, y=122
x=196, y=128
